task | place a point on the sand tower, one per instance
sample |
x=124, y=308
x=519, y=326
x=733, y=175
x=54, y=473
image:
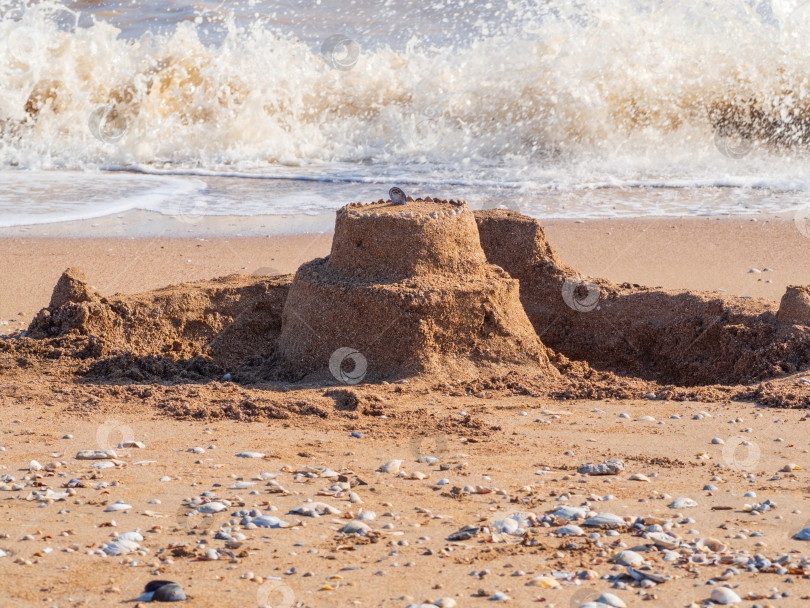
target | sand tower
x=407, y=287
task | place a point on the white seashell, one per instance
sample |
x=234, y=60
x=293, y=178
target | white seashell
x=724, y=595
x=315, y=509
x=628, y=558
x=609, y=599
x=663, y=540
x=211, y=507
x=392, y=466
x=242, y=485
x=356, y=527
x=605, y=520
x=118, y=506
x=571, y=512
x=250, y=455
x=270, y=521
x=120, y=547
x=133, y=536
x=682, y=503
x=34, y=466
x=638, y=477
x=570, y=530
x=131, y=444
x=366, y=516
x=95, y=454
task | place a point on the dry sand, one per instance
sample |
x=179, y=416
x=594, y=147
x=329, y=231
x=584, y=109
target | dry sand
x=496, y=436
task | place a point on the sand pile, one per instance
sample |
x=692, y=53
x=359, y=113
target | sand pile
x=428, y=287
x=686, y=338
x=227, y=320
x=409, y=289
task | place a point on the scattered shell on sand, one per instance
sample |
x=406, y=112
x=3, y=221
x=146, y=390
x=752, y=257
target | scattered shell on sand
x=682, y=503
x=628, y=558
x=118, y=506
x=250, y=455
x=95, y=455
x=315, y=509
x=724, y=595
x=614, y=466
x=392, y=466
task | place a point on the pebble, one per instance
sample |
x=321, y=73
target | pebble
x=118, y=506
x=717, y=441
x=611, y=600
x=614, y=466
x=803, y=534
x=499, y=596
x=570, y=530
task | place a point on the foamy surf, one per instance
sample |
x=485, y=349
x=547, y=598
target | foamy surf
x=489, y=100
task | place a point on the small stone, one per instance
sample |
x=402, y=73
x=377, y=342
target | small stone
x=717, y=441
x=682, y=503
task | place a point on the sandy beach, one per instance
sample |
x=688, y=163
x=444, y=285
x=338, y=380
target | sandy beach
x=471, y=452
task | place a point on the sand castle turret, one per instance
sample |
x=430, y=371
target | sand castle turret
x=408, y=287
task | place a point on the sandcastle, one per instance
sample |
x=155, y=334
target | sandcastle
x=409, y=288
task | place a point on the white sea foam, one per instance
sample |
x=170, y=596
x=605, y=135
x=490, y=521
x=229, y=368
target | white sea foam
x=487, y=99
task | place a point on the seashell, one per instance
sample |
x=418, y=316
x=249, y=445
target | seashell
x=570, y=530
x=638, y=477
x=546, y=582
x=664, y=540
x=571, y=512
x=315, y=509
x=605, y=520
x=608, y=599
x=131, y=444
x=120, y=546
x=466, y=533
x=392, y=466
x=724, y=595
x=242, y=485
x=250, y=455
x=712, y=544
x=270, y=521
x=682, y=503
x=95, y=455
x=211, y=507
x=118, y=506
x=356, y=527
x=366, y=516
x=628, y=558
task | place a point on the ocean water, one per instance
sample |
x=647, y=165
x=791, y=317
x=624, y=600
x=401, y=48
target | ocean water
x=559, y=109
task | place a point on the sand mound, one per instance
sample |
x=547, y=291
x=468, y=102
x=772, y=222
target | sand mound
x=227, y=319
x=685, y=338
x=72, y=287
x=795, y=306
x=408, y=289
x=429, y=288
